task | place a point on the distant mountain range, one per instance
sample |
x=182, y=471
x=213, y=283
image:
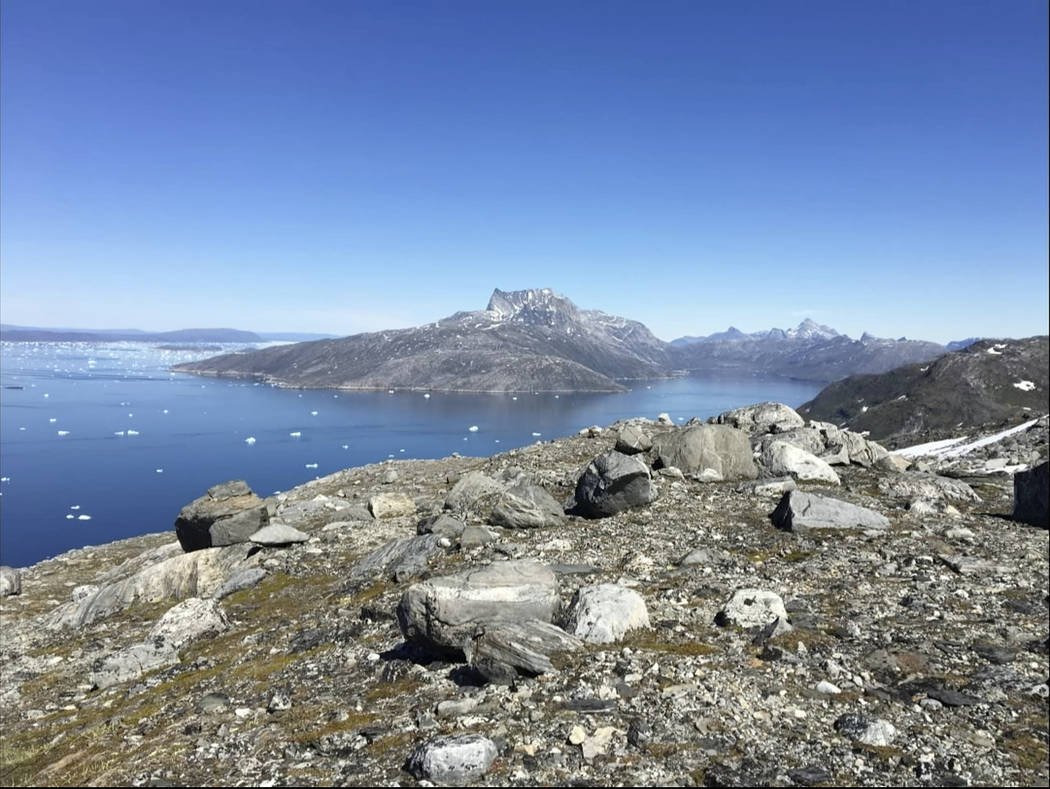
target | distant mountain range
x=988, y=381
x=537, y=340
x=13, y=333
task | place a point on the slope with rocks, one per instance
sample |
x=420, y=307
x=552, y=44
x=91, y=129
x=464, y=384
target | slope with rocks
x=533, y=340
x=454, y=621
x=990, y=381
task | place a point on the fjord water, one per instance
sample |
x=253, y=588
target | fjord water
x=103, y=442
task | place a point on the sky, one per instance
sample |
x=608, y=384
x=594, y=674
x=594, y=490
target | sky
x=355, y=165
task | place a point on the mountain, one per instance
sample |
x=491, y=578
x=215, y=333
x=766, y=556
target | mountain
x=989, y=381
x=810, y=351
x=527, y=340
x=11, y=333
x=958, y=345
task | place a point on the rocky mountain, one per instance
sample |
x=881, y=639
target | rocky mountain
x=988, y=381
x=750, y=602
x=809, y=352
x=530, y=340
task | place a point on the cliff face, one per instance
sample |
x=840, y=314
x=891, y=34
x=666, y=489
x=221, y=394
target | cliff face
x=988, y=381
x=849, y=628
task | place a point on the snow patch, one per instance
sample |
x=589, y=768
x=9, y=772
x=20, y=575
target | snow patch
x=1024, y=386
x=954, y=447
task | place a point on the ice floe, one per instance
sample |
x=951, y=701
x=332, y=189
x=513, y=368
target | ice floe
x=473, y=428
x=346, y=446
x=535, y=434
x=426, y=395
x=63, y=432
x=69, y=517
x=954, y=447
x=295, y=433
x=74, y=506
x=311, y=465
x=250, y=440
x=52, y=420
x=159, y=470
x=83, y=517
x=119, y=433
x=1024, y=386
x=313, y=413
x=133, y=432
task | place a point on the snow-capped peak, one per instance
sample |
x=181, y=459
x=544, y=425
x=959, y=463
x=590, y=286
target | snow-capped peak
x=809, y=329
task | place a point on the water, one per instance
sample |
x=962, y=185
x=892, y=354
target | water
x=191, y=434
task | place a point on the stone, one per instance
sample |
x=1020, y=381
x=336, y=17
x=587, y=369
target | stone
x=227, y=514
x=385, y=506
x=526, y=506
x=279, y=702
x=752, y=608
x=798, y=511
x=869, y=731
x=719, y=448
x=611, y=483
x=893, y=463
x=390, y=477
x=664, y=419
x=473, y=536
x=440, y=613
x=276, y=534
x=442, y=525
x=931, y=487
x=132, y=663
x=475, y=493
x=453, y=760
x=197, y=574
x=243, y=579
x=524, y=647
x=189, y=620
x=772, y=486
x=82, y=591
x=10, y=581
x=598, y=743
x=761, y=418
x=808, y=439
x=1031, y=496
x=828, y=689
x=780, y=458
x=398, y=559
x=862, y=452
x=603, y=614
x=632, y=440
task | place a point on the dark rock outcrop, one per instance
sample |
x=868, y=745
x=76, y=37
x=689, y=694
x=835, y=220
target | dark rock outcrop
x=227, y=514
x=613, y=482
x=1032, y=495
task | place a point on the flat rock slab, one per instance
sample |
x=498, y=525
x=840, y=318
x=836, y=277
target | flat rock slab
x=244, y=579
x=781, y=458
x=454, y=760
x=611, y=483
x=931, y=487
x=227, y=514
x=799, y=510
x=397, y=559
x=132, y=663
x=384, y=506
x=603, y=614
x=277, y=534
x=505, y=650
x=720, y=449
x=441, y=613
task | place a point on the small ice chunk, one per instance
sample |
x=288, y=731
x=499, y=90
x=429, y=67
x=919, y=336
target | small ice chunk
x=119, y=433
x=69, y=516
x=313, y=413
x=515, y=397
x=295, y=433
x=863, y=409
x=83, y=517
x=63, y=432
x=133, y=432
x=401, y=450
x=390, y=391
x=46, y=394
x=536, y=435
x=5, y=479
x=159, y=470
x=52, y=420
x=1024, y=386
x=164, y=411
x=74, y=506
x=346, y=446
x=473, y=428
x=426, y=395
x=250, y=440
x=311, y=465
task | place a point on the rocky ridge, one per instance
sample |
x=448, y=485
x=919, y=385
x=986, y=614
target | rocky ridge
x=696, y=624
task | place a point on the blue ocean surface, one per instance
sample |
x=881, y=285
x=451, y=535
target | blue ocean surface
x=100, y=441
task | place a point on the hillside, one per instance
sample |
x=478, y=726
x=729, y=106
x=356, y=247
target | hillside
x=988, y=381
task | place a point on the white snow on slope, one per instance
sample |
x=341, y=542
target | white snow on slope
x=954, y=447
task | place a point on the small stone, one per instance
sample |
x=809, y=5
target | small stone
x=828, y=688
x=752, y=608
x=577, y=735
x=279, y=702
x=869, y=731
x=276, y=534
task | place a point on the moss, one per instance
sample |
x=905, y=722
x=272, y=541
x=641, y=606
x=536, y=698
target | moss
x=386, y=690
x=652, y=642
x=1030, y=751
x=356, y=721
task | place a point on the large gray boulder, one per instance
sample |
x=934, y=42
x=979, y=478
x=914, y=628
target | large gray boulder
x=397, y=559
x=808, y=438
x=452, y=760
x=441, y=613
x=752, y=608
x=278, y=534
x=603, y=614
x=798, y=511
x=227, y=514
x=1031, y=499
x=720, y=450
x=613, y=482
x=761, y=418
x=197, y=574
x=474, y=494
x=384, y=506
x=131, y=663
x=501, y=652
x=514, y=501
x=10, y=581
x=632, y=439
x=780, y=458
x=189, y=620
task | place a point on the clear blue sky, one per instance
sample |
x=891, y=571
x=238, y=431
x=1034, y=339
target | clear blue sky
x=350, y=165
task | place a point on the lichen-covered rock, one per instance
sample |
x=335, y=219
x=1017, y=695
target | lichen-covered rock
x=761, y=418
x=613, y=482
x=189, y=620
x=227, y=514
x=931, y=487
x=505, y=650
x=131, y=663
x=632, y=440
x=453, y=760
x=276, y=534
x=780, y=458
x=603, y=614
x=799, y=510
x=10, y=581
x=397, y=559
x=752, y=608
x=384, y=506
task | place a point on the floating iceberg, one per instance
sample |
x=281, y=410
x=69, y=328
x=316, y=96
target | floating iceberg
x=74, y=506
x=52, y=420
x=473, y=428
x=250, y=440
x=295, y=434
x=426, y=396
x=346, y=446
x=63, y=432
x=83, y=517
x=133, y=432
x=69, y=517
x=119, y=433
x=311, y=465
x=537, y=434
x=313, y=413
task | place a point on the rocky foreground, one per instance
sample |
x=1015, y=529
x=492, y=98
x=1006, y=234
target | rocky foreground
x=753, y=601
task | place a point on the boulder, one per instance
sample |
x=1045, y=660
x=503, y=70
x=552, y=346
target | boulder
x=752, y=608
x=870, y=731
x=475, y=493
x=1031, y=495
x=613, y=482
x=502, y=651
x=452, y=760
x=442, y=525
x=720, y=448
x=798, y=511
x=632, y=439
x=384, y=506
x=197, y=574
x=780, y=457
x=526, y=506
x=277, y=534
x=441, y=613
x=397, y=559
x=10, y=581
x=189, y=620
x=603, y=614
x=862, y=451
x=931, y=487
x=893, y=463
x=244, y=579
x=806, y=438
x=227, y=514
x=771, y=486
x=761, y=418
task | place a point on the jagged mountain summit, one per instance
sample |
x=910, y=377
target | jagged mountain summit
x=988, y=381
x=528, y=340
x=806, y=330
